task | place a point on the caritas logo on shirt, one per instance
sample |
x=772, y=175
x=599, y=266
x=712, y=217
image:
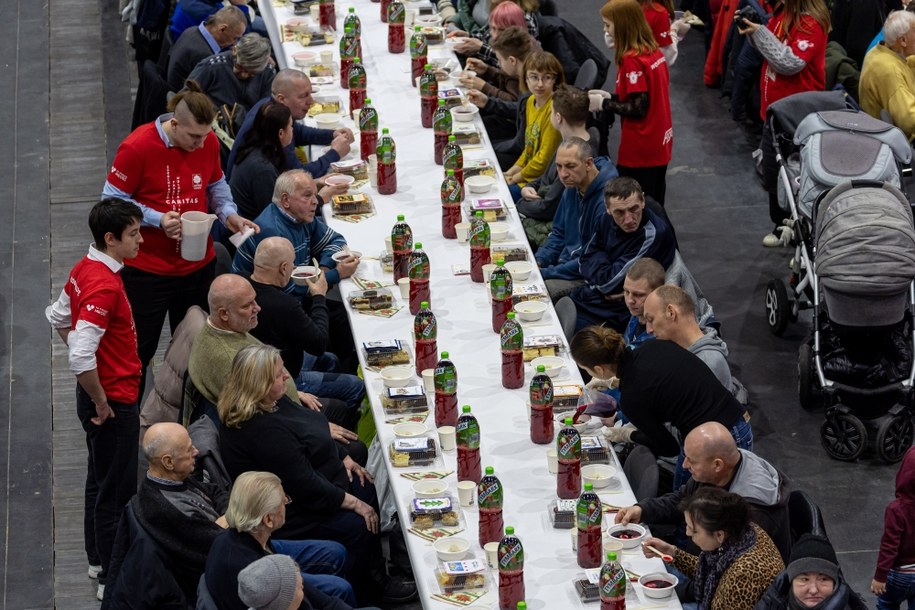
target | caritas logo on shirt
x=97, y=310
x=197, y=182
x=633, y=77
x=804, y=45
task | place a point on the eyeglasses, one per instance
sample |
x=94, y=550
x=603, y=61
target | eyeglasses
x=540, y=78
x=287, y=500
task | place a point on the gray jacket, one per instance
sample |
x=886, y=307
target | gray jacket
x=713, y=351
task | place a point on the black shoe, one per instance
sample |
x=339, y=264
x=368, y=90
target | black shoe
x=398, y=592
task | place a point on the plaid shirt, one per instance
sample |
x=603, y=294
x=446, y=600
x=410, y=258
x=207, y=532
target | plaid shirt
x=487, y=54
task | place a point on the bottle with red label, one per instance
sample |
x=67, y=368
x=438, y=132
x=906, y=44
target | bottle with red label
x=441, y=127
x=452, y=196
x=428, y=95
x=353, y=22
x=612, y=584
x=419, y=53
x=327, y=14
x=453, y=158
x=445, y=380
x=479, y=246
x=489, y=500
x=568, y=454
x=500, y=291
x=425, y=332
x=511, y=339
x=384, y=10
x=541, y=395
x=396, y=15
x=511, y=571
x=368, y=130
x=402, y=246
x=357, y=84
x=349, y=49
x=419, y=285
x=386, y=153
x=587, y=520
x=468, y=446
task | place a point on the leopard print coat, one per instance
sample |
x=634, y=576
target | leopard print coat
x=744, y=582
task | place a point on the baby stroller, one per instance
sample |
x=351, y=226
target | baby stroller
x=854, y=266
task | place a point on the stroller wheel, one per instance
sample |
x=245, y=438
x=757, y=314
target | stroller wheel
x=807, y=390
x=894, y=437
x=843, y=436
x=778, y=309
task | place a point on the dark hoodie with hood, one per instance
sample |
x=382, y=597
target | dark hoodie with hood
x=897, y=546
x=713, y=351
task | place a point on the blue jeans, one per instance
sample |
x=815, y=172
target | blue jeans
x=900, y=587
x=318, y=377
x=515, y=191
x=322, y=563
x=743, y=436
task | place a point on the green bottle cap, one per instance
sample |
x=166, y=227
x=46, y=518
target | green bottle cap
x=444, y=355
x=465, y=409
x=522, y=605
x=611, y=556
x=567, y=421
x=450, y=138
x=356, y=60
x=367, y=101
x=384, y=131
x=509, y=531
x=352, y=9
x=541, y=368
x=450, y=172
x=347, y=28
x=418, y=28
x=489, y=470
x=425, y=305
x=499, y=261
x=399, y=216
x=418, y=246
x=441, y=102
x=589, y=486
x=478, y=213
x=428, y=66
x=510, y=315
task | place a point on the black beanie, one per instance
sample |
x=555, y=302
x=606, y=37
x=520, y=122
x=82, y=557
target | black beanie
x=813, y=554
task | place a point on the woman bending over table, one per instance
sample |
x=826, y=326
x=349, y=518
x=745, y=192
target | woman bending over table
x=331, y=497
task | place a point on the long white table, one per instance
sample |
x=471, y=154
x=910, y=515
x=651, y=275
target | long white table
x=463, y=313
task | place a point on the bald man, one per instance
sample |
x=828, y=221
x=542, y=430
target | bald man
x=233, y=314
x=670, y=314
x=301, y=337
x=292, y=88
x=714, y=459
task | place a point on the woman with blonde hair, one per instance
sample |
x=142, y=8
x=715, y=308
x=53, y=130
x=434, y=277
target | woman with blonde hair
x=642, y=97
x=331, y=497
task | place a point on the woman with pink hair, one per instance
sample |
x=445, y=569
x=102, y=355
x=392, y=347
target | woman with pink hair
x=503, y=14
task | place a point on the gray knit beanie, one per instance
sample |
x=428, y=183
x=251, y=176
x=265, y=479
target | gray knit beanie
x=269, y=583
x=813, y=554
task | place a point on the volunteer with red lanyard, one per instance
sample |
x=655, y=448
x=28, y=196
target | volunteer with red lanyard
x=642, y=97
x=168, y=167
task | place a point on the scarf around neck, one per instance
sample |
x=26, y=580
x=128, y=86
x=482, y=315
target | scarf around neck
x=713, y=564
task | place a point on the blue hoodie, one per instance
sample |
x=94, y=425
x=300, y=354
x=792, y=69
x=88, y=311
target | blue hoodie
x=573, y=225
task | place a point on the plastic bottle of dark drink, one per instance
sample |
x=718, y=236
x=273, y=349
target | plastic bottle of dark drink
x=468, y=447
x=541, y=395
x=568, y=450
x=445, y=379
x=419, y=53
x=479, y=246
x=511, y=340
x=353, y=22
x=612, y=584
x=357, y=85
x=349, y=49
x=402, y=246
x=428, y=95
x=453, y=158
x=419, y=285
x=489, y=500
x=368, y=130
x=587, y=520
x=425, y=331
x=441, y=127
x=327, y=15
x=511, y=571
x=500, y=291
x=452, y=196
x=386, y=153
x=396, y=14
x=384, y=10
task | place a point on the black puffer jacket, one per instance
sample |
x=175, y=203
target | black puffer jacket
x=776, y=596
x=571, y=48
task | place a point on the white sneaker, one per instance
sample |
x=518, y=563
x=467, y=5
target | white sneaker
x=771, y=240
x=94, y=571
x=100, y=594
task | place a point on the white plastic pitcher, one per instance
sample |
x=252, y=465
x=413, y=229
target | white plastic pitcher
x=195, y=230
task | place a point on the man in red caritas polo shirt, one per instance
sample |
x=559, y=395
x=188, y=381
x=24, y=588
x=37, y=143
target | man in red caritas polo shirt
x=168, y=167
x=93, y=317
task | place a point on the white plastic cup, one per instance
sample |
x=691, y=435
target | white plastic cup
x=446, y=437
x=492, y=554
x=467, y=491
x=409, y=19
x=327, y=58
x=404, y=285
x=429, y=380
x=388, y=244
x=552, y=461
x=373, y=177
x=315, y=11
x=463, y=231
x=487, y=271
x=574, y=536
x=611, y=545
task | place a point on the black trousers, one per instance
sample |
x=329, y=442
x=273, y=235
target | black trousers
x=653, y=180
x=153, y=296
x=111, y=475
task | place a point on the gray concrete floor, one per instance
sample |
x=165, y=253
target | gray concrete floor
x=55, y=64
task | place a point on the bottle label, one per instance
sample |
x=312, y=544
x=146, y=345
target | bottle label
x=402, y=240
x=588, y=511
x=441, y=121
x=511, y=337
x=613, y=582
x=453, y=157
x=418, y=46
x=489, y=494
x=348, y=46
x=568, y=444
x=357, y=78
x=468, y=433
x=425, y=326
x=419, y=267
x=511, y=555
x=452, y=192
x=541, y=390
x=396, y=13
x=445, y=379
x=500, y=285
x=353, y=22
x=368, y=119
x=428, y=86
x=479, y=233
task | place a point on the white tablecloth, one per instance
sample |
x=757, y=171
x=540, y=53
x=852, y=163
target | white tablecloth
x=463, y=314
